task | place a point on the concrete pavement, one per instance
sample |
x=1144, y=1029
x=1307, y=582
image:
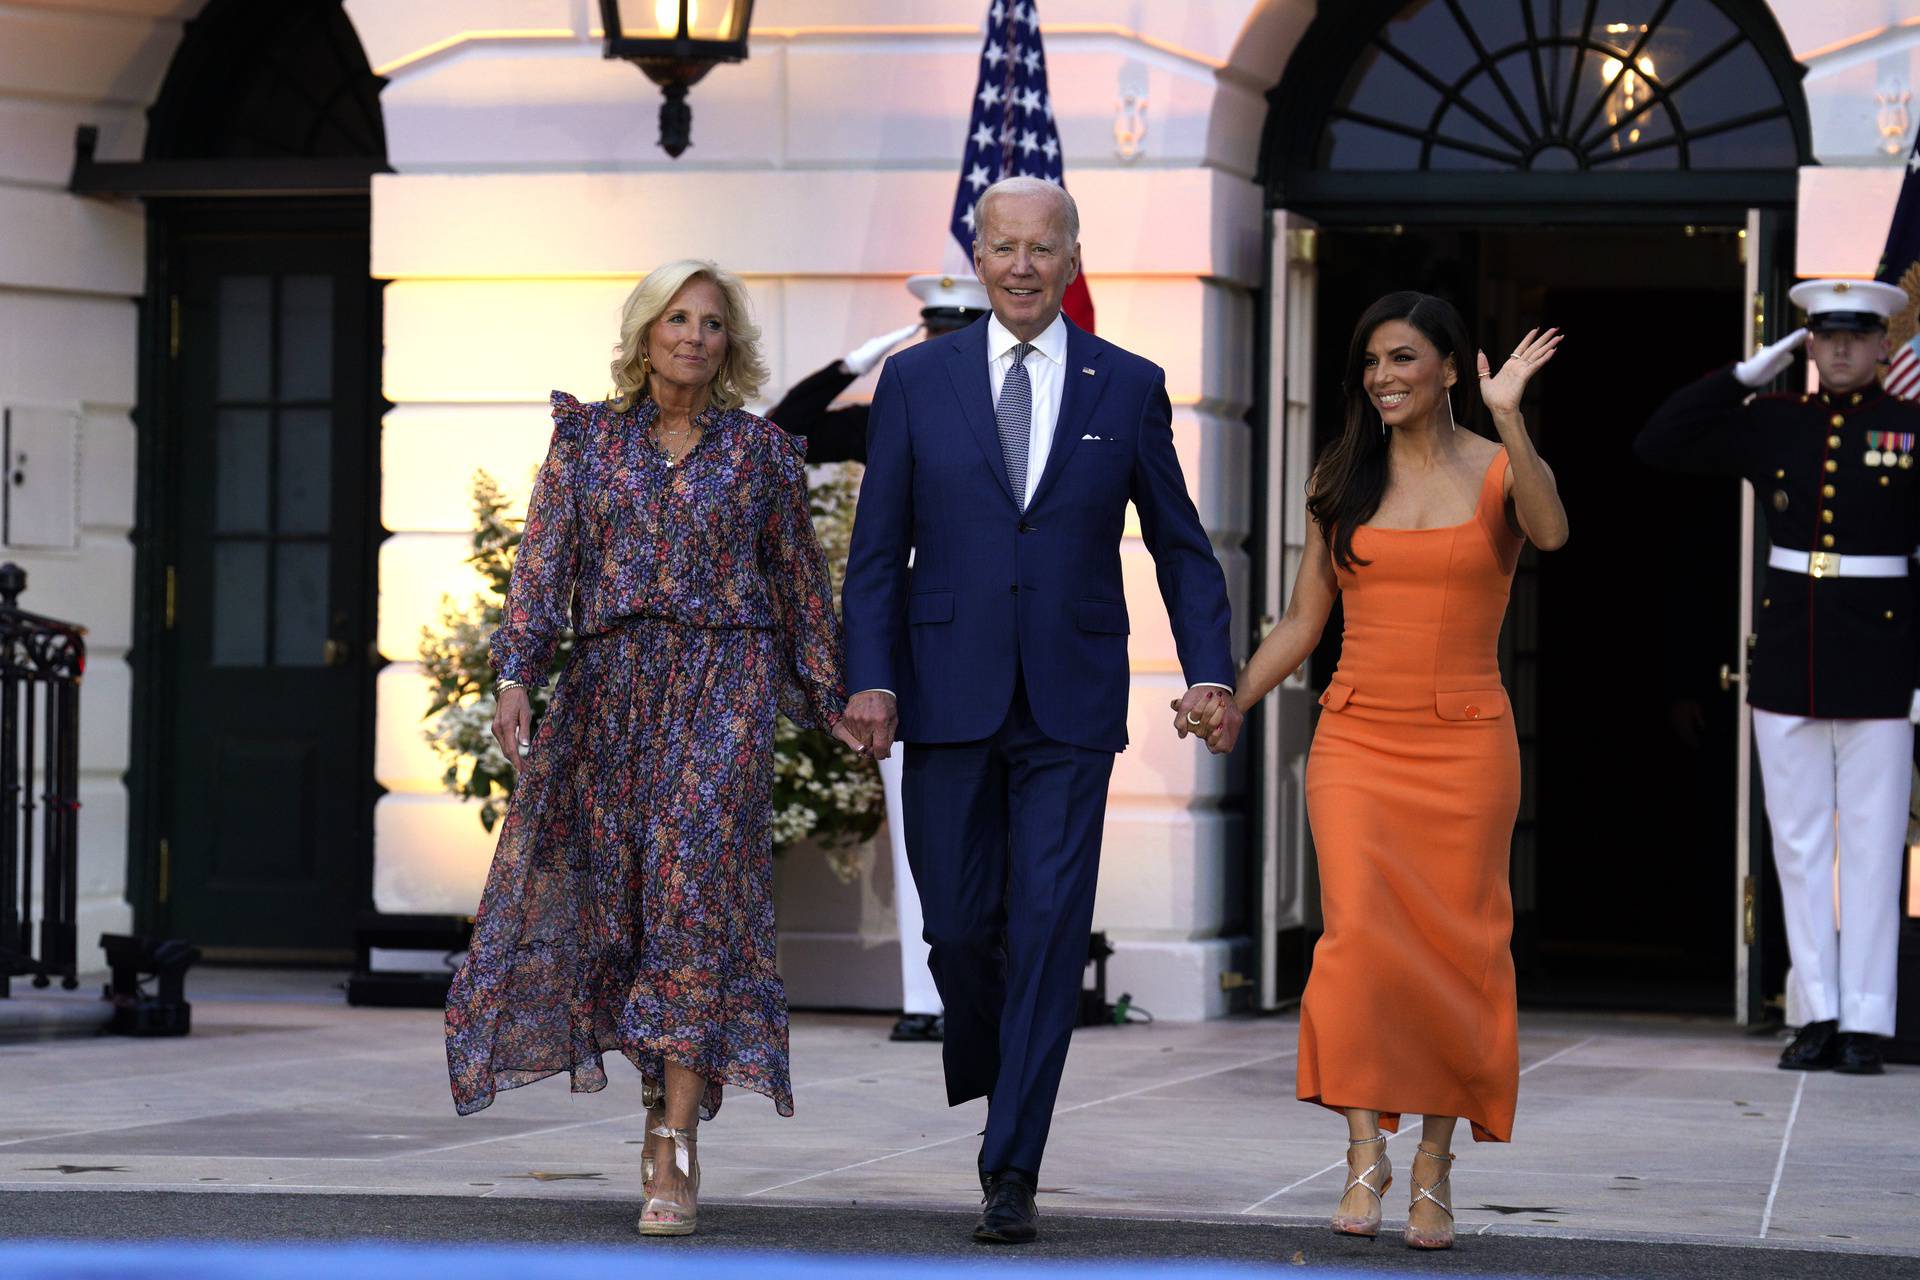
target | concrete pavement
x=1667, y=1133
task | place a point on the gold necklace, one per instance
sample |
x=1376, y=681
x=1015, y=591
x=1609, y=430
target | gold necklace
x=660, y=442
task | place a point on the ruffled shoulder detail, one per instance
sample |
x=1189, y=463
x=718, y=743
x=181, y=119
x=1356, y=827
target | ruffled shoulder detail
x=569, y=415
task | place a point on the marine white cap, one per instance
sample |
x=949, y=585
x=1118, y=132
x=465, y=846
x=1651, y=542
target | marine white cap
x=1861, y=306
x=949, y=292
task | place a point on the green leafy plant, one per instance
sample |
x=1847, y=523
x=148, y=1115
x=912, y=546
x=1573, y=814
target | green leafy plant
x=821, y=792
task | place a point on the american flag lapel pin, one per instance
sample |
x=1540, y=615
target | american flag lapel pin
x=1084, y=369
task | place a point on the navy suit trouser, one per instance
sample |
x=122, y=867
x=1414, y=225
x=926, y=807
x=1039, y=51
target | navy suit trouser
x=1004, y=839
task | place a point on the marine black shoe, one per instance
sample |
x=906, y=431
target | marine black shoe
x=1816, y=1048
x=1859, y=1054
x=919, y=1027
x=1008, y=1216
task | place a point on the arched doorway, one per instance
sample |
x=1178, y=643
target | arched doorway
x=259, y=475
x=1626, y=171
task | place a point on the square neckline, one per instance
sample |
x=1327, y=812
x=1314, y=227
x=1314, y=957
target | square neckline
x=1474, y=518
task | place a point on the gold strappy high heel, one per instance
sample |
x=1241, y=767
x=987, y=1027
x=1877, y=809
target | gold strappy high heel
x=664, y=1217
x=1346, y=1224
x=654, y=1098
x=1415, y=1238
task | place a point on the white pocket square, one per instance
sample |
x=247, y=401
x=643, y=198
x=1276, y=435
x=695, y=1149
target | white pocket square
x=1091, y=436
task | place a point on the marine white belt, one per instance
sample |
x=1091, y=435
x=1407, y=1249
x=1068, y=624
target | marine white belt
x=1831, y=564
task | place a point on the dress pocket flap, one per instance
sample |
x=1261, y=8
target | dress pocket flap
x=1471, y=704
x=1108, y=617
x=1336, y=696
x=930, y=606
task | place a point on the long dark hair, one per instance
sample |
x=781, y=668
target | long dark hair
x=1351, y=476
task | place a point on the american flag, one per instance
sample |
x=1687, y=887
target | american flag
x=1011, y=131
x=1900, y=265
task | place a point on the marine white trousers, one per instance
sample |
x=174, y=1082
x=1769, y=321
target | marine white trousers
x=917, y=992
x=1859, y=770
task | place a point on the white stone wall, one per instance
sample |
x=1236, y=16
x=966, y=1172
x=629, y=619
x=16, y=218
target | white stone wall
x=1861, y=57
x=70, y=271
x=530, y=194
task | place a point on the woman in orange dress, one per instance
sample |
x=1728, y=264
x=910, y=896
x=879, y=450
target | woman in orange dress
x=1413, y=780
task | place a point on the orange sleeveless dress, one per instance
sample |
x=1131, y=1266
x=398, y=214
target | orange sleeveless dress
x=1413, y=784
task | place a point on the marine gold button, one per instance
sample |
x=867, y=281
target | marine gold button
x=1826, y=539
x=1826, y=490
x=1833, y=442
x=1839, y=420
x=1780, y=473
x=1889, y=615
x=1832, y=465
x=1766, y=602
x=1886, y=481
x=1826, y=517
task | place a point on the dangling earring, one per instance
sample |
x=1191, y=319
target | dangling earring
x=1451, y=424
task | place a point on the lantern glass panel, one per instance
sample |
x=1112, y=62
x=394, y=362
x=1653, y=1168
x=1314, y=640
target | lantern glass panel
x=660, y=19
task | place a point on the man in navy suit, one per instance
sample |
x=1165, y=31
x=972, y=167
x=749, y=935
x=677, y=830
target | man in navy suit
x=1002, y=458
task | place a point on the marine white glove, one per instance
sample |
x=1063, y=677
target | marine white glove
x=867, y=354
x=1768, y=363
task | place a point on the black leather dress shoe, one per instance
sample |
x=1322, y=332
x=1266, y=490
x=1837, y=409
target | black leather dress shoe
x=920, y=1027
x=1814, y=1049
x=1859, y=1054
x=1008, y=1216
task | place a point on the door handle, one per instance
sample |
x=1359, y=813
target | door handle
x=334, y=653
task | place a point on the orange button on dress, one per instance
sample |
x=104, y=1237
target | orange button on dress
x=1413, y=784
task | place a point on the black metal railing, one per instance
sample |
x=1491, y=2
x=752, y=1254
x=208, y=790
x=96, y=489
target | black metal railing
x=41, y=662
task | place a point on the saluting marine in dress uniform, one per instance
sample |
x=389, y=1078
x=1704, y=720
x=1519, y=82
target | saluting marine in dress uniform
x=838, y=433
x=1834, y=663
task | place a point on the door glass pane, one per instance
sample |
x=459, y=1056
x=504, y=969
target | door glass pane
x=1353, y=145
x=306, y=337
x=306, y=455
x=244, y=323
x=240, y=471
x=239, y=604
x=300, y=604
x=1766, y=145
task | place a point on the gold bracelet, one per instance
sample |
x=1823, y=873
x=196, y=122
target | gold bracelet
x=501, y=686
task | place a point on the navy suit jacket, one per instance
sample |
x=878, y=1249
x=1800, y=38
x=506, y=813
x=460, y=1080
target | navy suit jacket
x=992, y=591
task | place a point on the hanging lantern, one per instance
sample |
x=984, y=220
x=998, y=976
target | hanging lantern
x=676, y=42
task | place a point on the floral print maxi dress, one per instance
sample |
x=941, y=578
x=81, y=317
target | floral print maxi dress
x=630, y=902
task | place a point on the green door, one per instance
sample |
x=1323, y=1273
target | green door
x=269, y=801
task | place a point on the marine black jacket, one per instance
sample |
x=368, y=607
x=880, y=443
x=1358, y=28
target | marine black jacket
x=1834, y=647
x=833, y=434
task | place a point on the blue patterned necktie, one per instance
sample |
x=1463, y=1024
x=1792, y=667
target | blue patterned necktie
x=1015, y=416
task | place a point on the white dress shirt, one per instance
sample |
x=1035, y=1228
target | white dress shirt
x=1046, y=372
x=1046, y=369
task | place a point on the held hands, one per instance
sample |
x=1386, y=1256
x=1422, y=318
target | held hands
x=513, y=725
x=1768, y=363
x=1501, y=392
x=1208, y=713
x=868, y=723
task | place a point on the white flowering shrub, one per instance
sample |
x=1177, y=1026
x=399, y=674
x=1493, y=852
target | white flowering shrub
x=822, y=793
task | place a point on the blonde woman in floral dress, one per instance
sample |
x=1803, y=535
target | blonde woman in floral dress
x=629, y=907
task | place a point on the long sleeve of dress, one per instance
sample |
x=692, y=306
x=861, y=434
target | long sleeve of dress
x=801, y=590
x=547, y=563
